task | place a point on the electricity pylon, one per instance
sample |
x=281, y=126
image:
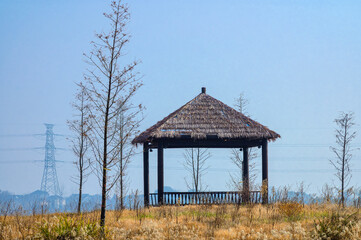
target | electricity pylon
x=49, y=182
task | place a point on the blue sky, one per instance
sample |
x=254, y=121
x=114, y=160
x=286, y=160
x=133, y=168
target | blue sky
x=297, y=62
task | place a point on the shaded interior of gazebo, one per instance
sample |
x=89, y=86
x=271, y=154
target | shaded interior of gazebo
x=205, y=122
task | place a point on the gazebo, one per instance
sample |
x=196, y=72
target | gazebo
x=205, y=122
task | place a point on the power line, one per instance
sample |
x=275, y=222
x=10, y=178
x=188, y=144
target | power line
x=237, y=170
x=16, y=135
x=17, y=149
x=30, y=135
x=30, y=149
x=209, y=169
x=30, y=161
x=310, y=145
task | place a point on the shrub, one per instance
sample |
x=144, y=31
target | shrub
x=291, y=210
x=220, y=216
x=68, y=228
x=335, y=227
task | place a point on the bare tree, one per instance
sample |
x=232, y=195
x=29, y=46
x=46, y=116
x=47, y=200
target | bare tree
x=236, y=155
x=81, y=126
x=110, y=87
x=127, y=124
x=241, y=103
x=327, y=193
x=344, y=136
x=237, y=160
x=195, y=163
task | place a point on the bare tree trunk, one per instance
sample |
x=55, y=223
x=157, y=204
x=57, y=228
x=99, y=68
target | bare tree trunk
x=121, y=163
x=105, y=143
x=121, y=172
x=81, y=162
x=80, y=193
x=343, y=164
x=121, y=192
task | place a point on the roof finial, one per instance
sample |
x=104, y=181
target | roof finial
x=203, y=90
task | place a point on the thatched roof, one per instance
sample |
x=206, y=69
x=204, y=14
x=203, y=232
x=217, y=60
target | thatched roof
x=204, y=117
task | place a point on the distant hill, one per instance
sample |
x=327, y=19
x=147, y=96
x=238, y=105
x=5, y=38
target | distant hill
x=39, y=201
x=167, y=189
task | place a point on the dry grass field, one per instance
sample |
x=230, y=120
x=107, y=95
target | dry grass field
x=279, y=221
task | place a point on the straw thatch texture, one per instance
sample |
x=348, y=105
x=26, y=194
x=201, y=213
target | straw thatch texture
x=205, y=116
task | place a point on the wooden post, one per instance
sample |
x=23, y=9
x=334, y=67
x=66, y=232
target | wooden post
x=265, y=171
x=245, y=175
x=146, y=173
x=160, y=174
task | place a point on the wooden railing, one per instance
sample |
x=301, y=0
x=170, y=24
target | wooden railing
x=187, y=198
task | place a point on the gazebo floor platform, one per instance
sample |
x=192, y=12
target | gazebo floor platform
x=200, y=198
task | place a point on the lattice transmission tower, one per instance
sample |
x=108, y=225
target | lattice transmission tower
x=49, y=182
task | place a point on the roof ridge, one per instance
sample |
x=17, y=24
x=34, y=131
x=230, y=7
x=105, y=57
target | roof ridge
x=204, y=116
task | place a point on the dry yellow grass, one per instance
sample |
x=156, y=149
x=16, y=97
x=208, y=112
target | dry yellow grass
x=273, y=222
